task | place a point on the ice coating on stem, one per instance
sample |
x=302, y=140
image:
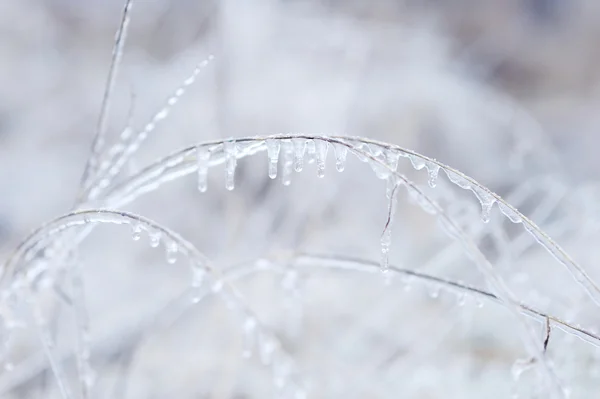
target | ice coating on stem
x=341, y=152
x=321, y=148
x=386, y=235
x=203, y=163
x=230, y=150
x=273, y=148
x=458, y=179
x=299, y=149
x=288, y=162
x=509, y=213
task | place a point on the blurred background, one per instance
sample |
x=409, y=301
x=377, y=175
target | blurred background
x=506, y=92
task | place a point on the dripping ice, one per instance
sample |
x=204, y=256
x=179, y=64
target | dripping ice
x=321, y=148
x=203, y=160
x=273, y=148
x=230, y=150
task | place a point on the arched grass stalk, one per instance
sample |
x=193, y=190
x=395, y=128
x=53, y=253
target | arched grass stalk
x=15, y=278
x=182, y=163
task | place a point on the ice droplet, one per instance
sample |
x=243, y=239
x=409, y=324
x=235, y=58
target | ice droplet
x=171, y=252
x=273, y=147
x=202, y=160
x=341, y=152
x=321, y=148
x=230, y=150
x=299, y=149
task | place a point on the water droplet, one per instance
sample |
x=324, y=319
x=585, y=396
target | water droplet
x=462, y=299
x=299, y=149
x=203, y=163
x=341, y=152
x=230, y=150
x=171, y=252
x=321, y=154
x=273, y=148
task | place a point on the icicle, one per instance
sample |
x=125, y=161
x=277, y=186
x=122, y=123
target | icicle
x=487, y=201
x=509, y=213
x=386, y=236
x=433, y=171
x=249, y=337
x=154, y=239
x=136, y=233
x=273, y=147
x=360, y=150
x=341, y=151
x=288, y=161
x=171, y=252
x=203, y=160
x=311, y=151
x=230, y=150
x=321, y=154
x=299, y=149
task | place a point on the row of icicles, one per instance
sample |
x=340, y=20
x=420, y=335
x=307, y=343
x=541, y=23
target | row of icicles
x=293, y=152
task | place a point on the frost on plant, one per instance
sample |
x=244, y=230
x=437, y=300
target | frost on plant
x=223, y=255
